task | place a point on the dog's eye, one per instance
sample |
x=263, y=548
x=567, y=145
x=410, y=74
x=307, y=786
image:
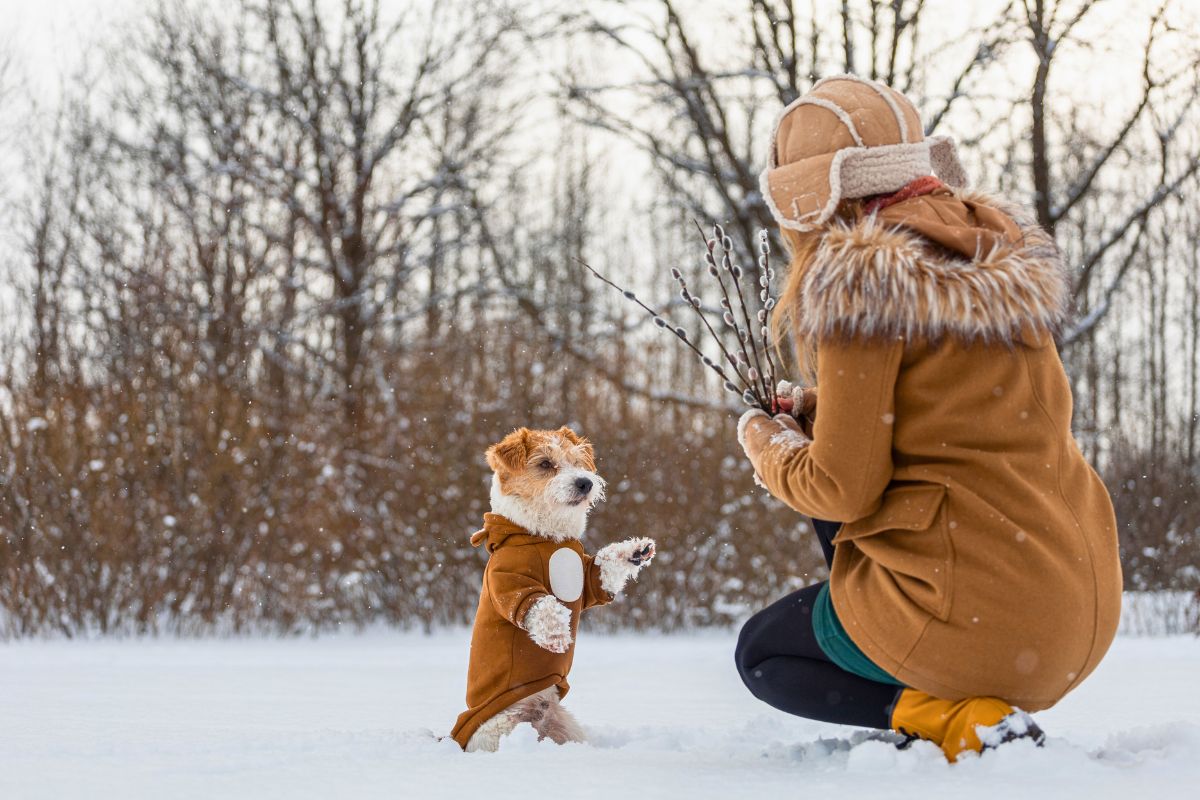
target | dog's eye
x=546, y=464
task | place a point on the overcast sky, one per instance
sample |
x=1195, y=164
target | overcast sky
x=48, y=37
x=47, y=34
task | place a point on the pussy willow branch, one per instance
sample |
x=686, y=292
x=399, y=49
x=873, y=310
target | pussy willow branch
x=693, y=301
x=679, y=332
x=765, y=274
x=756, y=385
x=735, y=273
x=727, y=304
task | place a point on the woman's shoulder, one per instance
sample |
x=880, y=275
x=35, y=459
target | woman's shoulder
x=878, y=279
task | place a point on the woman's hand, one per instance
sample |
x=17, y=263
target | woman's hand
x=759, y=433
x=800, y=403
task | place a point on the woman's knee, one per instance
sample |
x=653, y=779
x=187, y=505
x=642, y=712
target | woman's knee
x=747, y=653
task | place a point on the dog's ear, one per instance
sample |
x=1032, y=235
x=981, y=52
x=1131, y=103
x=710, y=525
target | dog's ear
x=510, y=453
x=570, y=435
x=580, y=445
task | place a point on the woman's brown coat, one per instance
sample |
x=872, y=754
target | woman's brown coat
x=979, y=554
x=506, y=666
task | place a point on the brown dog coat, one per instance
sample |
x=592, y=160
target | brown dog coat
x=506, y=665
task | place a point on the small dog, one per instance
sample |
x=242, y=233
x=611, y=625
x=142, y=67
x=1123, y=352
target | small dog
x=537, y=581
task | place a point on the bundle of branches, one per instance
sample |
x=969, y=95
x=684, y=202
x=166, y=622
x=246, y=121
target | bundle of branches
x=744, y=360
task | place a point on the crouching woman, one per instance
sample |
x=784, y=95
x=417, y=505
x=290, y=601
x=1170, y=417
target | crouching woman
x=972, y=549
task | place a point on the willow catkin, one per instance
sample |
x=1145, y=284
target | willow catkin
x=749, y=361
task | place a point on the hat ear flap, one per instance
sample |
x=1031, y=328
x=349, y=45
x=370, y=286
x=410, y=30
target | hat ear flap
x=805, y=194
x=943, y=155
x=510, y=453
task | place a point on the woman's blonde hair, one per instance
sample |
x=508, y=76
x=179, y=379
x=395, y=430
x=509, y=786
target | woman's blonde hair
x=785, y=322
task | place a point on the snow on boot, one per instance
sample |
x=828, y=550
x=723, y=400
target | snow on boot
x=957, y=726
x=1017, y=725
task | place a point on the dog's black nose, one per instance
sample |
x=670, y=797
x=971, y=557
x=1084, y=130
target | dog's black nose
x=584, y=485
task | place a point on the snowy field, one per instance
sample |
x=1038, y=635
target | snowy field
x=352, y=716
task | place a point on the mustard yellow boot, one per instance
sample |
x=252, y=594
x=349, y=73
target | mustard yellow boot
x=975, y=724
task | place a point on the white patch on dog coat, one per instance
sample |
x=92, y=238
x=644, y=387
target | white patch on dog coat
x=566, y=574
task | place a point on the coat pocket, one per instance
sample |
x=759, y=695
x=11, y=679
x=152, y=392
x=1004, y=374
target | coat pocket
x=909, y=538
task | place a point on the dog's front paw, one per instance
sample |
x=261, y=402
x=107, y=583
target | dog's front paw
x=548, y=623
x=643, y=552
x=621, y=561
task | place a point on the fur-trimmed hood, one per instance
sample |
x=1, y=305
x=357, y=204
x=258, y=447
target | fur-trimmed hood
x=879, y=279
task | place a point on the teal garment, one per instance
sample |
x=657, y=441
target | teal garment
x=835, y=643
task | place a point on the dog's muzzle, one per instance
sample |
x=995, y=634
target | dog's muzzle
x=578, y=488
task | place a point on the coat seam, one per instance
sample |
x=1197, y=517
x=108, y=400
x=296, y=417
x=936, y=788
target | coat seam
x=951, y=555
x=916, y=641
x=897, y=352
x=1082, y=672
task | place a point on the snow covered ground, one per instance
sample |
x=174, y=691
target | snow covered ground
x=351, y=715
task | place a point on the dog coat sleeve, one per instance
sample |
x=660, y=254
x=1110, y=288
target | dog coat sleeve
x=593, y=593
x=514, y=583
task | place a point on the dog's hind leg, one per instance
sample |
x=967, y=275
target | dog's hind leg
x=542, y=710
x=528, y=709
x=487, y=738
x=558, y=724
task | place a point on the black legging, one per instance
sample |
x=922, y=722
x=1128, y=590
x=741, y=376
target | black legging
x=781, y=663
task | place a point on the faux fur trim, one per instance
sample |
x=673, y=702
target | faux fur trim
x=878, y=170
x=869, y=280
x=943, y=157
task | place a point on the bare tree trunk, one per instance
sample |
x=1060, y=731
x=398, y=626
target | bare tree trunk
x=1042, y=48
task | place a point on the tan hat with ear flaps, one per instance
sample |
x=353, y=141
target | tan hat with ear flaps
x=849, y=138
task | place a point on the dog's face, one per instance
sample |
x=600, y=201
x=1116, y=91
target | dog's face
x=545, y=480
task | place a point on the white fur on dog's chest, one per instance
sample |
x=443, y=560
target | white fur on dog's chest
x=566, y=574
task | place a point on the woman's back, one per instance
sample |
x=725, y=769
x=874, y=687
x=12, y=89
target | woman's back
x=1025, y=514
x=943, y=442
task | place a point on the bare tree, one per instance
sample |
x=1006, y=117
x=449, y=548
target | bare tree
x=281, y=286
x=8, y=92
x=703, y=100
x=366, y=188
x=1163, y=110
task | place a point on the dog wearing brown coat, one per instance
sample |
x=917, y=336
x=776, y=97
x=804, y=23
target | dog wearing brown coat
x=537, y=582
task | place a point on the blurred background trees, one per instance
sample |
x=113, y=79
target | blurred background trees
x=275, y=277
